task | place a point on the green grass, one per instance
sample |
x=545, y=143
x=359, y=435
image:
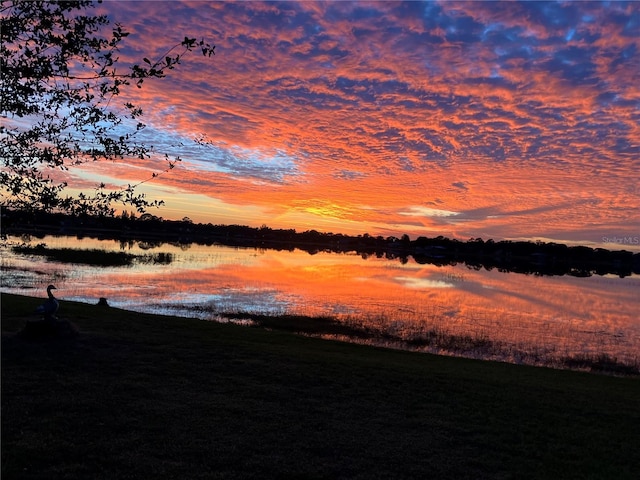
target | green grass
x=144, y=396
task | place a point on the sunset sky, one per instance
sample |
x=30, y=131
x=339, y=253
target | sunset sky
x=480, y=119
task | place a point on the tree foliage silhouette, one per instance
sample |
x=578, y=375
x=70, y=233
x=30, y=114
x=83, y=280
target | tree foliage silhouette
x=61, y=75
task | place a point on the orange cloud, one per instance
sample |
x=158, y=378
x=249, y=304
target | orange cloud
x=522, y=117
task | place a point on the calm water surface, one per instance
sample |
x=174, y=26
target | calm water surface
x=551, y=316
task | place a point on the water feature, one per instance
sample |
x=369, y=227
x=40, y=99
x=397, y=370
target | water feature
x=502, y=315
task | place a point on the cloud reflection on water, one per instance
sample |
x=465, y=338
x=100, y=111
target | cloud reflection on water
x=566, y=315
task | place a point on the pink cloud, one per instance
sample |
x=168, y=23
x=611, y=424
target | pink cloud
x=378, y=110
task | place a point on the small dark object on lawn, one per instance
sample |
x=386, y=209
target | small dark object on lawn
x=103, y=302
x=50, y=307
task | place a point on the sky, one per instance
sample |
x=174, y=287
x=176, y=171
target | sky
x=503, y=120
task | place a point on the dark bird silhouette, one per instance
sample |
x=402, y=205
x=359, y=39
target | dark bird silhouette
x=50, y=307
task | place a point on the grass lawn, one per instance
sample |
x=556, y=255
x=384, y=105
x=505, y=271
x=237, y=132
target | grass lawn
x=145, y=396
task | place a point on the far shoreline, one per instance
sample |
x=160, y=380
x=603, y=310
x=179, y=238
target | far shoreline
x=517, y=256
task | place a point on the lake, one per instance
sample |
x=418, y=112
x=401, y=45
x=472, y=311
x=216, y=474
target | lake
x=452, y=309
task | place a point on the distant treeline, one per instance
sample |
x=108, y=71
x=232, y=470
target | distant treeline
x=538, y=258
